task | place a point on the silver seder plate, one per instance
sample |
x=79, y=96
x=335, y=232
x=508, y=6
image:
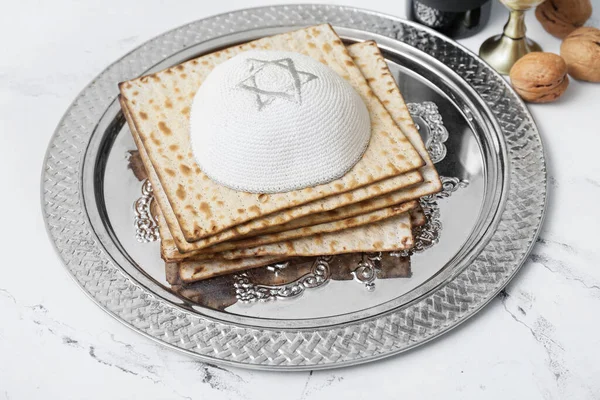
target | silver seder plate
x=324, y=312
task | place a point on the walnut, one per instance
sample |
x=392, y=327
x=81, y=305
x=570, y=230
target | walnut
x=581, y=51
x=540, y=77
x=561, y=17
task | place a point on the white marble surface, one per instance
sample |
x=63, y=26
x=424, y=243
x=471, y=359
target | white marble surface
x=538, y=341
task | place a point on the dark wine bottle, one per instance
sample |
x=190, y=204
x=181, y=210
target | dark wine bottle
x=454, y=18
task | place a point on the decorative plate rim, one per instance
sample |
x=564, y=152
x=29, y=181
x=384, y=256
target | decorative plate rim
x=360, y=341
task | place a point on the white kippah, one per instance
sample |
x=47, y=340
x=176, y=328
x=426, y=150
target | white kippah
x=273, y=121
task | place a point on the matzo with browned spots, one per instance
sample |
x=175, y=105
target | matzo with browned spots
x=159, y=113
x=335, y=226
x=193, y=271
x=196, y=270
x=373, y=66
x=390, y=234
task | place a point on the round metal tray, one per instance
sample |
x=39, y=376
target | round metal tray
x=480, y=229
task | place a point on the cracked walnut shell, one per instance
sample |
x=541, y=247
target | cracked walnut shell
x=581, y=52
x=561, y=17
x=540, y=77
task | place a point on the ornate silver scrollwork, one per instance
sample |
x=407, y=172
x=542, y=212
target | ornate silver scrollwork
x=366, y=272
x=428, y=112
x=146, y=226
x=428, y=235
x=248, y=292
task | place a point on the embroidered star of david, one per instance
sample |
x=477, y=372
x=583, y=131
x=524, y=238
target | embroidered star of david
x=290, y=91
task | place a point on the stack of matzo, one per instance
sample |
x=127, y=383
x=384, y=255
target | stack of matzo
x=210, y=230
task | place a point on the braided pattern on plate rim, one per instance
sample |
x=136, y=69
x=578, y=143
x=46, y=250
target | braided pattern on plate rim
x=326, y=347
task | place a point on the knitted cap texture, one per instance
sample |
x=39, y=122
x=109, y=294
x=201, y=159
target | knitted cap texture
x=273, y=121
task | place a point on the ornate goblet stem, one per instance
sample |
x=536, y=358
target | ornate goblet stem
x=503, y=51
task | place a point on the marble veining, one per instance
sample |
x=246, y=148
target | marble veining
x=566, y=267
x=541, y=332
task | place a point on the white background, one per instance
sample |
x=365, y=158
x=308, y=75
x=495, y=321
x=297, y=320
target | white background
x=540, y=342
